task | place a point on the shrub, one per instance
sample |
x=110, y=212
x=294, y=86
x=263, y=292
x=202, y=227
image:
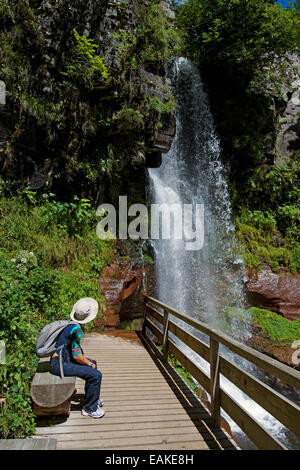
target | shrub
x=29, y=301
x=40, y=236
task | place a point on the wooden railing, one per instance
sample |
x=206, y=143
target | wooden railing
x=160, y=323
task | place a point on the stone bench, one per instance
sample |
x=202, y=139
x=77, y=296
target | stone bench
x=51, y=395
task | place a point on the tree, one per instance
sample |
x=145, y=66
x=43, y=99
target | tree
x=243, y=34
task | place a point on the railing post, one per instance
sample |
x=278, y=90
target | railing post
x=215, y=383
x=145, y=314
x=165, y=347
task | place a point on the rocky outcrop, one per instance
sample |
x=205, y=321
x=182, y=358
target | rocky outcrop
x=156, y=86
x=278, y=292
x=122, y=286
x=280, y=350
x=288, y=138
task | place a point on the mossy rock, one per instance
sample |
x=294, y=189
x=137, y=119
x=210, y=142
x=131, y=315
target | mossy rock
x=275, y=326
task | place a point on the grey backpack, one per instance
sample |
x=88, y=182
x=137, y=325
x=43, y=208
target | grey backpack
x=45, y=343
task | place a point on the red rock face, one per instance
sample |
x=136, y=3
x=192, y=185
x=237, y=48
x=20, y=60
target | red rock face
x=121, y=283
x=278, y=292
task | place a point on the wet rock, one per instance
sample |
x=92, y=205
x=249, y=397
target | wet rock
x=122, y=285
x=281, y=351
x=155, y=86
x=278, y=292
x=288, y=139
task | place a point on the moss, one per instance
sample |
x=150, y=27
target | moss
x=148, y=259
x=131, y=325
x=275, y=326
x=263, y=243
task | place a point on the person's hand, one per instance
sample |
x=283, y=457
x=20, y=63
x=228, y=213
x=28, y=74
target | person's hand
x=94, y=366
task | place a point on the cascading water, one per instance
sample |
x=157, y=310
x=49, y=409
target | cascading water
x=209, y=280
x=191, y=173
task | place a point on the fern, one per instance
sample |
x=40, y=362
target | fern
x=86, y=49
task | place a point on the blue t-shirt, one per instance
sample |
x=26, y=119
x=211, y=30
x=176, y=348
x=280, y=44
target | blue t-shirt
x=72, y=334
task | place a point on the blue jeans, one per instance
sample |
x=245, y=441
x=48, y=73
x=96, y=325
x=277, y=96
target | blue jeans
x=91, y=376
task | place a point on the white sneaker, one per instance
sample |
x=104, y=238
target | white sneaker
x=94, y=414
x=100, y=402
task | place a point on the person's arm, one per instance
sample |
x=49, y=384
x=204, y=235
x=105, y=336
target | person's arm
x=77, y=351
x=84, y=361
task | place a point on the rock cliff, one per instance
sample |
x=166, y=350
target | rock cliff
x=278, y=292
x=82, y=112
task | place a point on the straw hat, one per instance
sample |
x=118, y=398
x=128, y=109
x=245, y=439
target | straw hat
x=84, y=310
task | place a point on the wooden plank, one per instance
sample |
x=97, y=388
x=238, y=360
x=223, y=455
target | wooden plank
x=148, y=394
x=113, y=442
x=175, y=446
x=136, y=392
x=189, y=320
x=115, y=402
x=102, y=434
x=215, y=383
x=280, y=407
x=129, y=392
x=122, y=416
x=126, y=377
x=154, y=407
x=165, y=348
x=146, y=407
x=258, y=435
x=76, y=419
x=112, y=392
x=157, y=315
x=190, y=340
x=154, y=329
x=87, y=428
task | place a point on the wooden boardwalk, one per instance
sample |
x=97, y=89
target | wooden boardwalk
x=148, y=407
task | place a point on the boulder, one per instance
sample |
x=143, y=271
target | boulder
x=278, y=292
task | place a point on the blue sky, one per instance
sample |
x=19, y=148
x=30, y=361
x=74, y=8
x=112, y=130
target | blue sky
x=285, y=3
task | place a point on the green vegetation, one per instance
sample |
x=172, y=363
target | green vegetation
x=50, y=256
x=244, y=51
x=184, y=374
x=244, y=35
x=158, y=40
x=88, y=62
x=80, y=104
x=275, y=326
x=272, y=233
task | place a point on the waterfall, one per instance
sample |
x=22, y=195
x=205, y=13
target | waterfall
x=201, y=283
x=196, y=282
